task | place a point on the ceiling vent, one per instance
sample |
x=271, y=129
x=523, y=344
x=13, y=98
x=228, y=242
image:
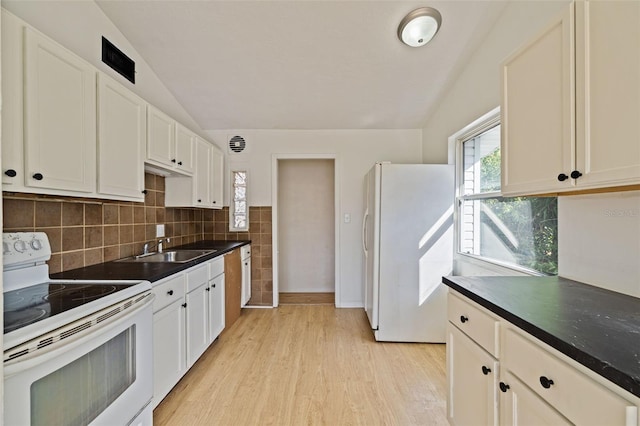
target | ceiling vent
x=237, y=144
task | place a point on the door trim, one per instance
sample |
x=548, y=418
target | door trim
x=274, y=212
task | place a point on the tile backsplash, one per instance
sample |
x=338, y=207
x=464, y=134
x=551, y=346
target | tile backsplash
x=85, y=231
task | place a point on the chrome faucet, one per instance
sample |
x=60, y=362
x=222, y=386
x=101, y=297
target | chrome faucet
x=153, y=243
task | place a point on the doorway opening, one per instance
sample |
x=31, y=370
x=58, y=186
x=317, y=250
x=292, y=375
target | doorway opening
x=305, y=230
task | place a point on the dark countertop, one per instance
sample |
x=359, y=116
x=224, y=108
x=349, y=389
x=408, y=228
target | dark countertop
x=148, y=271
x=598, y=328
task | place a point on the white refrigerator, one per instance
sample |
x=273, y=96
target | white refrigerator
x=407, y=240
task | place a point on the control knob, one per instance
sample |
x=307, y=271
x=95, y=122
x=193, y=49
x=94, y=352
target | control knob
x=36, y=244
x=20, y=246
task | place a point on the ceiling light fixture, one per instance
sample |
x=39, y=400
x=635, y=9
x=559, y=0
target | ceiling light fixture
x=419, y=26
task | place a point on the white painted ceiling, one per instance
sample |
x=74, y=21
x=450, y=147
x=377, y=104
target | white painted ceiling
x=301, y=64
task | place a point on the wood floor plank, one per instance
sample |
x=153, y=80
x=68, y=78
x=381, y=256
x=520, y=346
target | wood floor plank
x=307, y=298
x=312, y=365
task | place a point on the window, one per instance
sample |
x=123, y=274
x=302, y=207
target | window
x=239, y=210
x=515, y=231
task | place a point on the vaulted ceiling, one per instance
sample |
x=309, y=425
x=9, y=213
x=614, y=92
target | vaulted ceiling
x=301, y=64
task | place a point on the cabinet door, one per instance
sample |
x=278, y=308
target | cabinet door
x=122, y=134
x=608, y=92
x=472, y=377
x=202, y=176
x=217, y=177
x=216, y=307
x=185, y=141
x=520, y=406
x=538, y=112
x=12, y=112
x=60, y=117
x=197, y=331
x=160, y=137
x=246, y=280
x=169, y=342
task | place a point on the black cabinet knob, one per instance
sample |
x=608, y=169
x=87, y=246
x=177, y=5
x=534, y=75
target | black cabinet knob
x=170, y=292
x=179, y=163
x=575, y=174
x=173, y=160
x=144, y=191
x=545, y=382
x=504, y=387
x=214, y=286
x=184, y=305
x=562, y=177
x=208, y=288
x=214, y=202
x=38, y=176
x=11, y=173
x=485, y=370
x=463, y=319
x=199, y=200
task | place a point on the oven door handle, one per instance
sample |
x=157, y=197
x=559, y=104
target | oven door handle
x=38, y=355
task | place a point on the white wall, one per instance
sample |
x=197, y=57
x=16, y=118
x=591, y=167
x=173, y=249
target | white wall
x=599, y=240
x=599, y=234
x=355, y=151
x=79, y=26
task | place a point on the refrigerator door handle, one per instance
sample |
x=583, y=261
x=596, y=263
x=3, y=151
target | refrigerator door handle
x=364, y=232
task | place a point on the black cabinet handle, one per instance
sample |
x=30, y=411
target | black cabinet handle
x=246, y=264
x=575, y=174
x=11, y=173
x=214, y=286
x=173, y=160
x=144, y=191
x=562, y=177
x=38, y=176
x=545, y=382
x=485, y=370
x=170, y=292
x=199, y=200
x=208, y=288
x=184, y=305
x=214, y=202
x=463, y=319
x=504, y=387
x=179, y=163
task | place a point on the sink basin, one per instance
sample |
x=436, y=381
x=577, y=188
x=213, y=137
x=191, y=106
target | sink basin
x=171, y=256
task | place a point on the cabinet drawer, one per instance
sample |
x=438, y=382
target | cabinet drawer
x=196, y=276
x=245, y=251
x=474, y=322
x=216, y=267
x=576, y=396
x=167, y=292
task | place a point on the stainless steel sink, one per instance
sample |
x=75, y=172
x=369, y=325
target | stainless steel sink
x=171, y=256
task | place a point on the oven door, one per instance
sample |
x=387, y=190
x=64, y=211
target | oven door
x=102, y=375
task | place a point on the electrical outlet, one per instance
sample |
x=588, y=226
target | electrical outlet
x=159, y=230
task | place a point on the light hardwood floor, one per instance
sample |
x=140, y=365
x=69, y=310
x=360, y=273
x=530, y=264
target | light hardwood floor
x=309, y=365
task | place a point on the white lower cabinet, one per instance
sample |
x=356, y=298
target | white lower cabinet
x=188, y=315
x=521, y=406
x=529, y=382
x=472, y=381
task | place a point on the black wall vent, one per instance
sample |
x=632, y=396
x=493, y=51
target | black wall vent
x=237, y=144
x=117, y=60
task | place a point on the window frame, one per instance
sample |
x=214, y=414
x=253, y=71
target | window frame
x=232, y=173
x=477, y=127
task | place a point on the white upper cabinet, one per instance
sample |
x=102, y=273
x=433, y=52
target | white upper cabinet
x=217, y=177
x=185, y=146
x=608, y=92
x=12, y=110
x=60, y=117
x=571, y=103
x=202, y=177
x=169, y=144
x=122, y=134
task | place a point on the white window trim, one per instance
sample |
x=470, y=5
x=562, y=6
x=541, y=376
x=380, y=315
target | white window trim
x=485, y=122
x=232, y=228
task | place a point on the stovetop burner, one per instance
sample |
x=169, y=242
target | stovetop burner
x=35, y=303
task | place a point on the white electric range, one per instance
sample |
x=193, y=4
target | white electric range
x=75, y=352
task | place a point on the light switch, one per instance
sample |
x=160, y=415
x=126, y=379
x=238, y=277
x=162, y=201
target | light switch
x=347, y=218
x=159, y=230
